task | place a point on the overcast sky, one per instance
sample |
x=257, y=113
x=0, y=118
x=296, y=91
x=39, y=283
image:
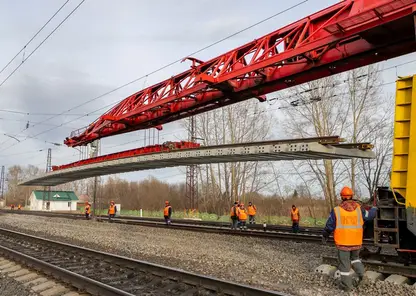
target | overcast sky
x=106, y=44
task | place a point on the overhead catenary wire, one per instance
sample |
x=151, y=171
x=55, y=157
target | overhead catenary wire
x=31, y=122
x=41, y=43
x=41, y=114
x=34, y=36
x=161, y=68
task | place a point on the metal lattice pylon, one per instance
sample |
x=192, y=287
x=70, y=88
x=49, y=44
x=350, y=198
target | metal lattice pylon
x=46, y=197
x=191, y=190
x=2, y=181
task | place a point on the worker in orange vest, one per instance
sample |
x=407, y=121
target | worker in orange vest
x=252, y=210
x=167, y=212
x=87, y=210
x=19, y=207
x=12, y=207
x=242, y=216
x=346, y=221
x=112, y=210
x=295, y=216
x=234, y=215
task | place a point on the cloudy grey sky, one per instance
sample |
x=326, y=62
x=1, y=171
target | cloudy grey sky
x=106, y=44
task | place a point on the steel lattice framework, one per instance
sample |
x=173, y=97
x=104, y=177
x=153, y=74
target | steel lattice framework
x=345, y=36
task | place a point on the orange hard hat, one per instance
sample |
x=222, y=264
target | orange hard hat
x=346, y=193
x=241, y=204
x=166, y=202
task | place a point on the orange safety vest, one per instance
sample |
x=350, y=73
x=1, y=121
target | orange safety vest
x=112, y=210
x=295, y=214
x=242, y=215
x=166, y=211
x=251, y=210
x=349, y=227
x=87, y=210
x=19, y=207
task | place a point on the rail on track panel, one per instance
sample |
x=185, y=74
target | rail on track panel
x=312, y=235
x=101, y=273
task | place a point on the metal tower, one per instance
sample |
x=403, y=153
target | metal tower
x=191, y=190
x=2, y=181
x=46, y=198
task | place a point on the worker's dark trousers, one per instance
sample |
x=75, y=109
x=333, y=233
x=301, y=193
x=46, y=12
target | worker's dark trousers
x=234, y=222
x=295, y=226
x=167, y=220
x=87, y=216
x=243, y=224
x=110, y=216
x=346, y=260
x=252, y=219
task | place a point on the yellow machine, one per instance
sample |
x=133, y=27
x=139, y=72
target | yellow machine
x=395, y=225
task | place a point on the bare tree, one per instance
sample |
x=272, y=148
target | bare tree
x=243, y=122
x=376, y=172
x=311, y=110
x=348, y=105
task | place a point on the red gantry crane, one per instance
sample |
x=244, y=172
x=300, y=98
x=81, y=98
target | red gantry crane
x=342, y=37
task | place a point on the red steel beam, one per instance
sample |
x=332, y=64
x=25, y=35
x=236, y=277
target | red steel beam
x=345, y=36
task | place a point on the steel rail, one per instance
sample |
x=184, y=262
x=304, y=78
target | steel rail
x=259, y=226
x=58, y=259
x=274, y=234
x=393, y=267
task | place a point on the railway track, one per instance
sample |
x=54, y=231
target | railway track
x=312, y=235
x=261, y=226
x=100, y=273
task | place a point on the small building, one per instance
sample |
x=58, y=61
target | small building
x=58, y=201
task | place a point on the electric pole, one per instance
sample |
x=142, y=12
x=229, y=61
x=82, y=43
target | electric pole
x=47, y=189
x=2, y=181
x=191, y=190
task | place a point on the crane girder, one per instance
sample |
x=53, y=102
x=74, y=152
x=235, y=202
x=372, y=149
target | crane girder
x=347, y=35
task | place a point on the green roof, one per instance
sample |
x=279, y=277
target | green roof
x=56, y=195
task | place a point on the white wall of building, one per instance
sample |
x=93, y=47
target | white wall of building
x=36, y=205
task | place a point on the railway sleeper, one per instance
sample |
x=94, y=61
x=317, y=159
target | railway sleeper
x=38, y=283
x=375, y=271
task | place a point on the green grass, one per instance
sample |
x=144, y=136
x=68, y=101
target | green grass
x=279, y=220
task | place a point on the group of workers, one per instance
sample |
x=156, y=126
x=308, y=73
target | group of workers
x=112, y=210
x=19, y=206
x=239, y=215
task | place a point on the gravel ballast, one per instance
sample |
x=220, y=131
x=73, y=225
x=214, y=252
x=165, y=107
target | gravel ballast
x=272, y=264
